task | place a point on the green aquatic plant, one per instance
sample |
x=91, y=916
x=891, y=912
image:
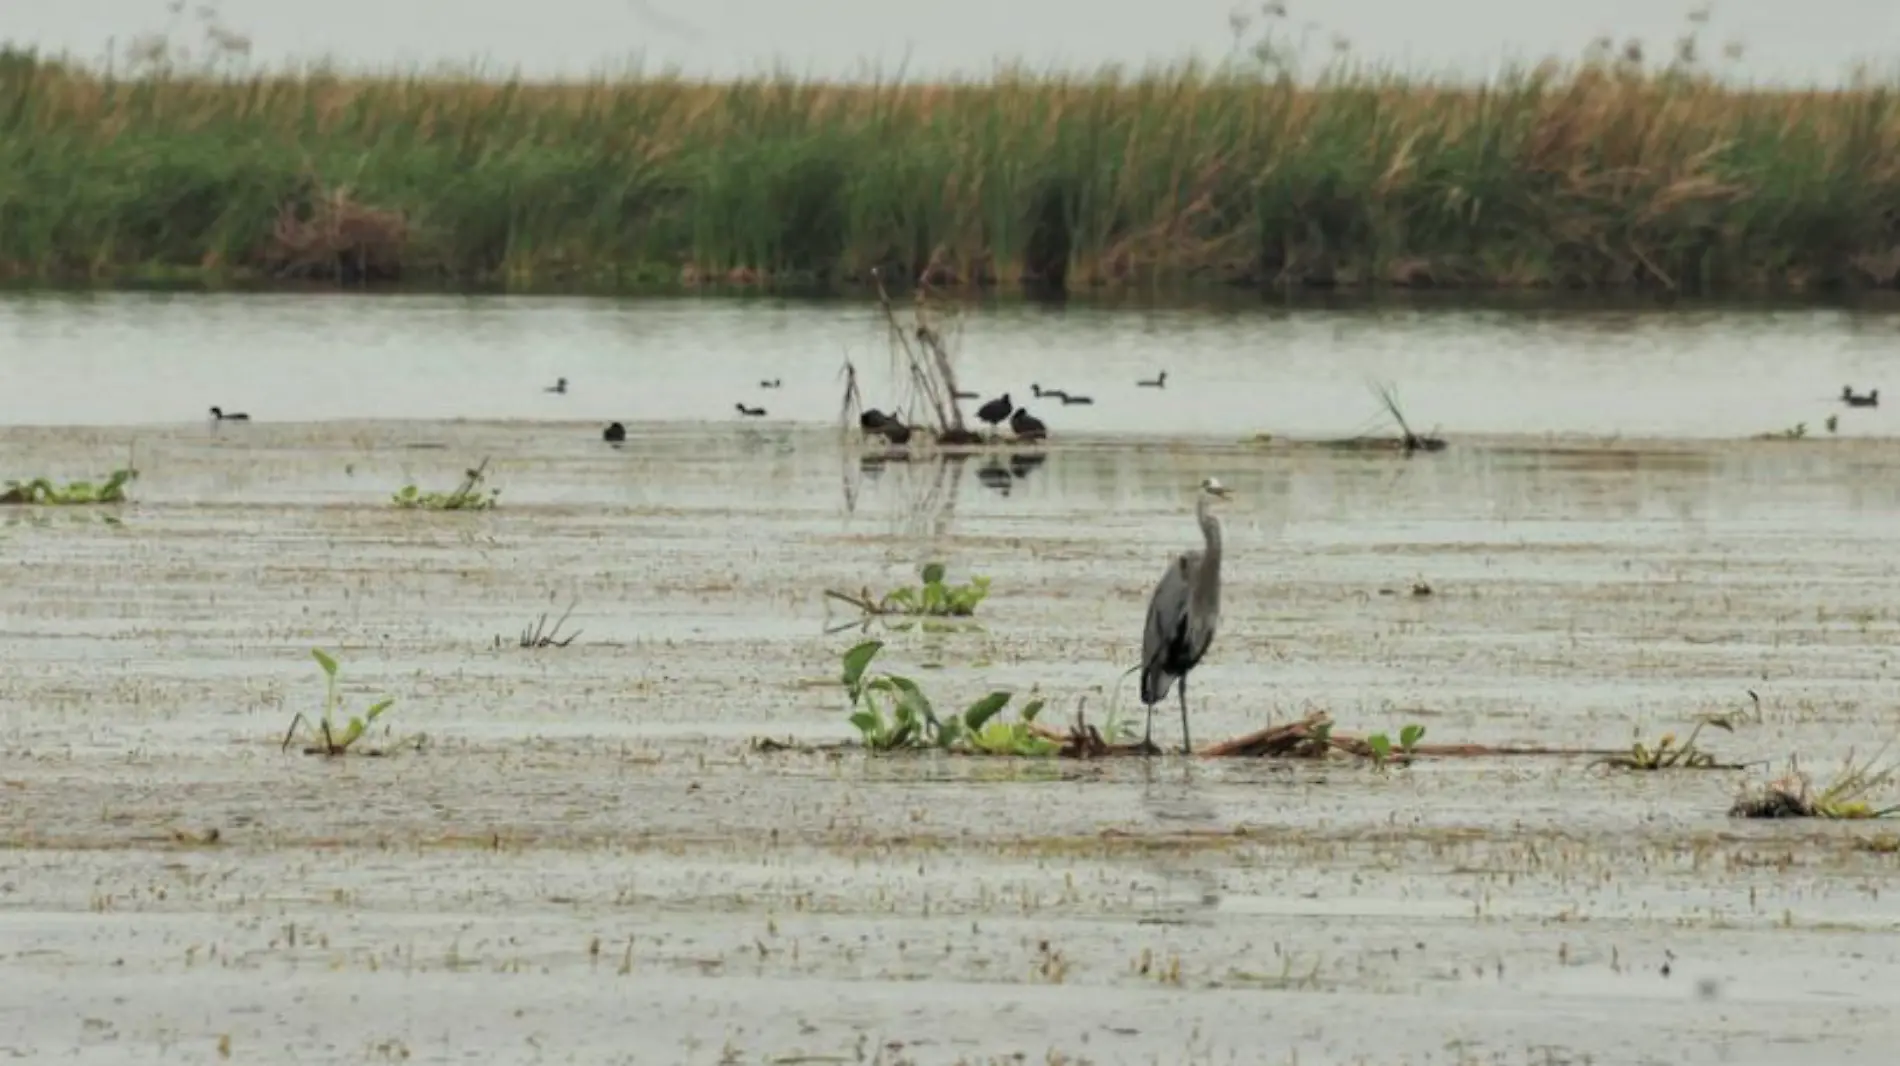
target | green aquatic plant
x=891, y=712
x=933, y=598
x=1844, y=798
x=44, y=491
x=1381, y=748
x=1669, y=754
x=468, y=496
x=324, y=736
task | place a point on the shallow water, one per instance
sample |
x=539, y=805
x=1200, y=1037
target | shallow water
x=154, y=359
x=587, y=835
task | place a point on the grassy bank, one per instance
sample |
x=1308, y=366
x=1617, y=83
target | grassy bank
x=1597, y=177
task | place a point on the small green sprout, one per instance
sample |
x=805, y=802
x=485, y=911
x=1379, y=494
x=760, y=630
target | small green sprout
x=324, y=737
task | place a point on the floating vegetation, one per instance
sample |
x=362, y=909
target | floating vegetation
x=468, y=496
x=45, y=492
x=891, y=713
x=324, y=736
x=1792, y=795
x=933, y=598
x=1667, y=754
x=1798, y=431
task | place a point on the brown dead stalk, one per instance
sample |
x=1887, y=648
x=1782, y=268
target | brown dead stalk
x=324, y=235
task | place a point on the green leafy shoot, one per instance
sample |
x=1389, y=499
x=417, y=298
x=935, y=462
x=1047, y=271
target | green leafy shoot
x=934, y=598
x=1667, y=754
x=891, y=713
x=324, y=736
x=1379, y=746
x=43, y=491
x=468, y=496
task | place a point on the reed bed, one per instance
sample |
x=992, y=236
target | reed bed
x=1596, y=176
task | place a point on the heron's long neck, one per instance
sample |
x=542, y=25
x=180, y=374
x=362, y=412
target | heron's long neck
x=1210, y=530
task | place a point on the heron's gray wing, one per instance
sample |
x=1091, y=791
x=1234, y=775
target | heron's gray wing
x=1167, y=608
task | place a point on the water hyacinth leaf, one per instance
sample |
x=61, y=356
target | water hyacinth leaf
x=1411, y=735
x=857, y=659
x=1032, y=709
x=323, y=660
x=1381, y=746
x=933, y=573
x=867, y=723
x=985, y=709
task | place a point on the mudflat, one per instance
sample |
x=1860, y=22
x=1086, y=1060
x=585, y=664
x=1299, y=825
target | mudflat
x=586, y=859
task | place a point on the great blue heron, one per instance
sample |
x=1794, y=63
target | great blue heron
x=1027, y=426
x=995, y=411
x=750, y=412
x=1872, y=399
x=235, y=416
x=1182, y=616
x=560, y=385
x=1160, y=381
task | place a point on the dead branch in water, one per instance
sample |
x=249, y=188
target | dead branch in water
x=1408, y=441
x=1311, y=737
x=927, y=362
x=536, y=636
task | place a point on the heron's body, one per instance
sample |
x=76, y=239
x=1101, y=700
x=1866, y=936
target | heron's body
x=1183, y=616
x=235, y=416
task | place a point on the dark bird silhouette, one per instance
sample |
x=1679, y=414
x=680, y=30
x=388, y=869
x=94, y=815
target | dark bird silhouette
x=1027, y=426
x=235, y=416
x=995, y=411
x=560, y=385
x=872, y=420
x=772, y=384
x=1872, y=399
x=1160, y=381
x=614, y=433
x=750, y=412
x=1067, y=398
x=1053, y=394
x=1183, y=614
x=894, y=431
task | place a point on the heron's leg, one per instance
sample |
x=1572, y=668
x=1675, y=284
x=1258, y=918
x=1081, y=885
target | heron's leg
x=1148, y=738
x=1187, y=746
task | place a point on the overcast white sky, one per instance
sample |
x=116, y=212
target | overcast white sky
x=1813, y=40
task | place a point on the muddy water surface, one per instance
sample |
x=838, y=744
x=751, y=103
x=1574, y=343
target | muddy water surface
x=587, y=861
